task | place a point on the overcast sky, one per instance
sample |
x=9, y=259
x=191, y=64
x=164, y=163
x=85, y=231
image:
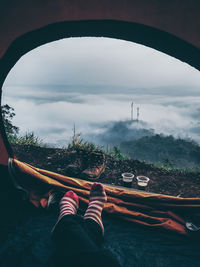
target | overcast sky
x=101, y=61
x=90, y=81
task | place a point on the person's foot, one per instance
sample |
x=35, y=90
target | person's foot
x=68, y=204
x=96, y=204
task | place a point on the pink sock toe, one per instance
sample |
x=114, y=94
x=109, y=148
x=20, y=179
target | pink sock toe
x=72, y=195
x=97, y=187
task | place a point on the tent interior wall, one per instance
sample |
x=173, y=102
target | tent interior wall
x=171, y=27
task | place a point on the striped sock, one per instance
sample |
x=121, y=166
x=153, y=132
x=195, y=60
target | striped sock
x=68, y=204
x=96, y=204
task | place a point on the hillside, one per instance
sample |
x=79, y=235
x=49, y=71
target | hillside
x=163, y=150
x=137, y=141
x=171, y=182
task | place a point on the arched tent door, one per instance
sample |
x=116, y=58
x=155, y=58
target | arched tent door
x=152, y=23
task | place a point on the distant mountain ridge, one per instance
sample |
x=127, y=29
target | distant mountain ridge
x=164, y=150
x=136, y=141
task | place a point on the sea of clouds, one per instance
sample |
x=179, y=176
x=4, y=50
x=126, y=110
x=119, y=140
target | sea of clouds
x=52, y=115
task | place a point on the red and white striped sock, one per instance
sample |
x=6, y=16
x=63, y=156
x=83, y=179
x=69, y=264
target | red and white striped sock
x=96, y=204
x=68, y=204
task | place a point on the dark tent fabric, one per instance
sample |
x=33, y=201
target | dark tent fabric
x=25, y=238
x=29, y=244
x=151, y=210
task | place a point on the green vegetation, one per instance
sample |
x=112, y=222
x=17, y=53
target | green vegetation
x=13, y=132
x=165, y=151
x=116, y=153
x=29, y=139
x=79, y=144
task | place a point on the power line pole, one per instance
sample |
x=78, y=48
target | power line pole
x=138, y=113
x=132, y=111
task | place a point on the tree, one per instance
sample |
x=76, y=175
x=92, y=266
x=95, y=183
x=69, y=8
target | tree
x=8, y=114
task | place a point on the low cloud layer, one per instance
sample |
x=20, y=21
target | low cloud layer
x=95, y=114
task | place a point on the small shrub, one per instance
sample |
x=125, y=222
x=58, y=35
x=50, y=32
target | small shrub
x=116, y=153
x=78, y=144
x=28, y=139
x=8, y=114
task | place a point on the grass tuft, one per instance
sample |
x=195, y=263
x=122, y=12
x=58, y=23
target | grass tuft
x=28, y=138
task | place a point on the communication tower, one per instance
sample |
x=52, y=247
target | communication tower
x=138, y=113
x=132, y=111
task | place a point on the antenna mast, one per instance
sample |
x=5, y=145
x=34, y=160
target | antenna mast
x=132, y=111
x=138, y=113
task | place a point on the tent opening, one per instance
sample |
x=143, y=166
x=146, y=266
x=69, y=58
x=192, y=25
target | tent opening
x=96, y=108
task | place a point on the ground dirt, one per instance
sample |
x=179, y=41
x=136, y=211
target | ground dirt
x=175, y=183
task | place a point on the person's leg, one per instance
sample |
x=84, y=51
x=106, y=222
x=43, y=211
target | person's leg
x=94, y=231
x=69, y=234
x=74, y=245
x=93, y=221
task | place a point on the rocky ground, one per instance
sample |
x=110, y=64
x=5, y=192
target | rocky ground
x=176, y=183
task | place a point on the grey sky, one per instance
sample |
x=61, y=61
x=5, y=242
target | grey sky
x=92, y=81
x=101, y=61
